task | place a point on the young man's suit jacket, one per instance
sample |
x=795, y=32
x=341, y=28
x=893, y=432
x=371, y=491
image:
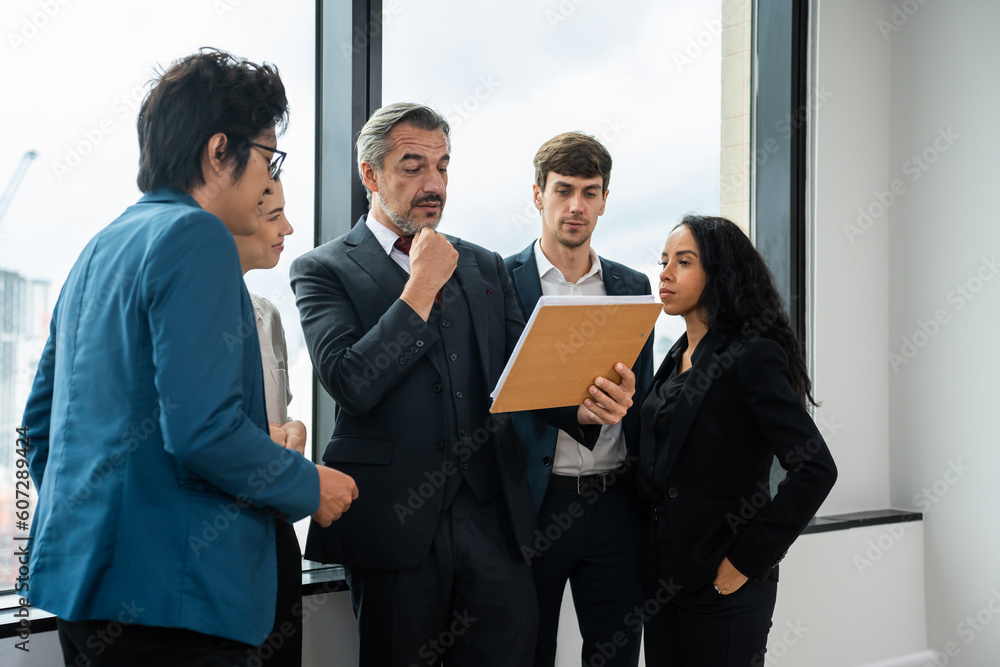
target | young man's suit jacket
x=158, y=484
x=539, y=436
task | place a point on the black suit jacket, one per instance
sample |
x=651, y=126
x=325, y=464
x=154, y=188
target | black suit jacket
x=737, y=408
x=538, y=436
x=369, y=350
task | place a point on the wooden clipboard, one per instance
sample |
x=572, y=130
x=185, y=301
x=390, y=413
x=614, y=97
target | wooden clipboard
x=568, y=342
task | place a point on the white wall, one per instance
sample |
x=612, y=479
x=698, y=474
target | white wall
x=850, y=326
x=944, y=438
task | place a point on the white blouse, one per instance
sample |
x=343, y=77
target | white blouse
x=274, y=358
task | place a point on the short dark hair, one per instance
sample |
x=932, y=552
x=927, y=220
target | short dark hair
x=373, y=140
x=199, y=96
x=573, y=154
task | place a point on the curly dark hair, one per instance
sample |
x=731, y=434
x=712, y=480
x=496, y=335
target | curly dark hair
x=199, y=96
x=740, y=298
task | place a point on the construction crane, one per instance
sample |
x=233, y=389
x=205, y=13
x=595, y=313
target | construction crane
x=15, y=181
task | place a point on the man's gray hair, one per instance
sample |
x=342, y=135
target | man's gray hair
x=373, y=140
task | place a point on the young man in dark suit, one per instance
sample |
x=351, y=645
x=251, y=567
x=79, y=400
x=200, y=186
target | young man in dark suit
x=595, y=550
x=409, y=331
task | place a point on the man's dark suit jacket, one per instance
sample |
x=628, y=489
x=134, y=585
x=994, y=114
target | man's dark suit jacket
x=369, y=349
x=538, y=436
x=736, y=409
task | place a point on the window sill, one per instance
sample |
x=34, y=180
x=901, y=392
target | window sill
x=825, y=524
x=317, y=578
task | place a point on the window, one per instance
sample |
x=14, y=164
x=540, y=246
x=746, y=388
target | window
x=642, y=78
x=83, y=71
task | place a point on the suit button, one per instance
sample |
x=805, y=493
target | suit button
x=547, y=461
x=402, y=361
x=413, y=349
x=458, y=394
x=464, y=432
x=439, y=445
x=445, y=323
x=420, y=343
x=437, y=388
x=453, y=356
x=465, y=466
x=672, y=492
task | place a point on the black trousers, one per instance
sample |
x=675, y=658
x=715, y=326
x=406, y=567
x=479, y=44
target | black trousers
x=695, y=626
x=468, y=603
x=83, y=642
x=591, y=541
x=283, y=647
x=100, y=643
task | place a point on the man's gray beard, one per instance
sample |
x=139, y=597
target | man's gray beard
x=405, y=224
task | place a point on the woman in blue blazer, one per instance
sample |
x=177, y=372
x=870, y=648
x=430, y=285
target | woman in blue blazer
x=728, y=399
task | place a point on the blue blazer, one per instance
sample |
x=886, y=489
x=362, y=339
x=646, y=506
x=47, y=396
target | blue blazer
x=158, y=483
x=539, y=437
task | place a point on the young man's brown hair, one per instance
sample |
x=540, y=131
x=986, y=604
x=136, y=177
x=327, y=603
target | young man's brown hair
x=573, y=154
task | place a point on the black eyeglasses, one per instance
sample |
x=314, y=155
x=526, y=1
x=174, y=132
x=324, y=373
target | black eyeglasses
x=276, y=160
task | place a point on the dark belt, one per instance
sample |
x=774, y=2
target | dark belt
x=602, y=481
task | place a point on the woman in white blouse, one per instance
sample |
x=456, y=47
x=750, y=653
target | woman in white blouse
x=261, y=251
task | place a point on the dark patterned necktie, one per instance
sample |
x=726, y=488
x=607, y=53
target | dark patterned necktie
x=402, y=244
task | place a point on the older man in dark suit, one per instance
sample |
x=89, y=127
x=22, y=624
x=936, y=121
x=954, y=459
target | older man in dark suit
x=408, y=331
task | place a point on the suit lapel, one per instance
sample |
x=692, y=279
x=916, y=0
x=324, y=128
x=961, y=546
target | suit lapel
x=696, y=387
x=470, y=282
x=373, y=260
x=613, y=283
x=527, y=284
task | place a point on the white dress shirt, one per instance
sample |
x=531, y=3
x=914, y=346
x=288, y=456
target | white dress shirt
x=572, y=458
x=386, y=237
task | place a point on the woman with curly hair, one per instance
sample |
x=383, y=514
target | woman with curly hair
x=728, y=399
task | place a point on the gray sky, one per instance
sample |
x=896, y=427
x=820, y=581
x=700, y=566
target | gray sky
x=643, y=77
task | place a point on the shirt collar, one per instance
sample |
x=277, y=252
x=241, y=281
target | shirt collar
x=545, y=266
x=385, y=236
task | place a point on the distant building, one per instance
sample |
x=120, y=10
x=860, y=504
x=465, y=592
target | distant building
x=24, y=318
